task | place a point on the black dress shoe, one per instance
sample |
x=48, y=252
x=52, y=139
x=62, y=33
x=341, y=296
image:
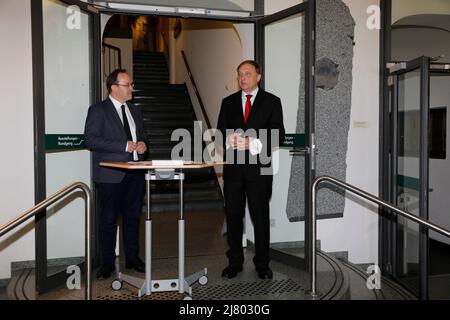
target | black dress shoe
x=265, y=273
x=136, y=264
x=105, y=271
x=231, y=271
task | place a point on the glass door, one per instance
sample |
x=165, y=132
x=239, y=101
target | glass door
x=285, y=51
x=67, y=86
x=439, y=177
x=410, y=163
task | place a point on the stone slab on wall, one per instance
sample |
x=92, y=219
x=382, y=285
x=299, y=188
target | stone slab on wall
x=334, y=58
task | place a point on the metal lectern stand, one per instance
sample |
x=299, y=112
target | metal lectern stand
x=147, y=286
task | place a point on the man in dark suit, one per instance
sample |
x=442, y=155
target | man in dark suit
x=114, y=133
x=253, y=111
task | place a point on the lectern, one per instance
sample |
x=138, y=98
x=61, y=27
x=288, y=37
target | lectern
x=160, y=170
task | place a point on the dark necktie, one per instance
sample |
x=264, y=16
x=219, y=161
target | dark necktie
x=126, y=125
x=248, y=106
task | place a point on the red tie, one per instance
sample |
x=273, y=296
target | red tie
x=248, y=106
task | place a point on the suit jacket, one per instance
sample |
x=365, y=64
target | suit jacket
x=105, y=136
x=266, y=113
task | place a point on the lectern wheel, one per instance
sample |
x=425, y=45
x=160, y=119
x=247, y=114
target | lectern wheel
x=187, y=298
x=203, y=280
x=116, y=285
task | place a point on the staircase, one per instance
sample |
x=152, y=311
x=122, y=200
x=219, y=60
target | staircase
x=165, y=108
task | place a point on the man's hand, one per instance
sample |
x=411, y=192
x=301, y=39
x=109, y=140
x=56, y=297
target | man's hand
x=131, y=146
x=238, y=142
x=141, y=147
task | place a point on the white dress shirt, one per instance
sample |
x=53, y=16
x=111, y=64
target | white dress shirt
x=131, y=122
x=256, y=144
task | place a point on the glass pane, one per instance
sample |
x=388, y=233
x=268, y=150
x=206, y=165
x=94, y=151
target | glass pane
x=439, y=175
x=68, y=92
x=284, y=76
x=408, y=177
x=232, y=5
x=410, y=9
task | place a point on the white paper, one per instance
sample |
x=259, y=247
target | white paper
x=167, y=162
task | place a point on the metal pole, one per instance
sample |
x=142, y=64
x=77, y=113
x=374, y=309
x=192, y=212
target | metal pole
x=88, y=244
x=148, y=237
x=181, y=238
x=313, y=257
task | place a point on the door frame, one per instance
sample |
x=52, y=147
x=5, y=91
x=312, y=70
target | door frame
x=309, y=8
x=43, y=282
x=259, y=21
x=396, y=231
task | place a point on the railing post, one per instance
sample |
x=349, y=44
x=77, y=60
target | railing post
x=21, y=218
x=313, y=226
x=88, y=244
x=347, y=187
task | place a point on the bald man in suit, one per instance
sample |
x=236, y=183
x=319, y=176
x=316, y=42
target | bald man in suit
x=251, y=110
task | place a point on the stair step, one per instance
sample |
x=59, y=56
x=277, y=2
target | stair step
x=169, y=124
x=158, y=106
x=158, y=116
x=165, y=108
x=163, y=131
x=153, y=100
x=151, y=96
x=168, y=86
x=149, y=72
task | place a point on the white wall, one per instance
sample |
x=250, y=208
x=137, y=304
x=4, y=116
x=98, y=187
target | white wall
x=405, y=8
x=411, y=43
x=273, y=6
x=357, y=231
x=16, y=131
x=213, y=50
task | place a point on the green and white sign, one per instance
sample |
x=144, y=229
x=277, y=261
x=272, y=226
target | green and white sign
x=294, y=140
x=64, y=142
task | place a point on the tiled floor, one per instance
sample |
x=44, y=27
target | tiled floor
x=205, y=247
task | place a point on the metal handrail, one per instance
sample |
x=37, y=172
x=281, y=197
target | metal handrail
x=197, y=93
x=166, y=47
x=362, y=194
x=24, y=216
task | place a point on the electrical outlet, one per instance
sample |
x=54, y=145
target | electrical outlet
x=272, y=223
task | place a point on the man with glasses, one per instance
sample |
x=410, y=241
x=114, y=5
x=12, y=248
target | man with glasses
x=114, y=132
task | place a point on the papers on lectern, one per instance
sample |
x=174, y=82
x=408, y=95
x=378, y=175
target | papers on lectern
x=167, y=162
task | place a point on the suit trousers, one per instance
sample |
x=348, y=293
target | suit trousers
x=121, y=198
x=258, y=194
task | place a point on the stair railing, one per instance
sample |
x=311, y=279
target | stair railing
x=115, y=63
x=364, y=195
x=166, y=47
x=57, y=196
x=197, y=93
